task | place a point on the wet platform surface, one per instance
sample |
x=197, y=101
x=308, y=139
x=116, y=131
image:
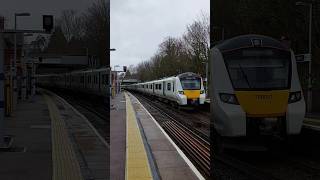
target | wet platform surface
x=117, y=137
x=31, y=127
x=59, y=143
x=91, y=149
x=166, y=160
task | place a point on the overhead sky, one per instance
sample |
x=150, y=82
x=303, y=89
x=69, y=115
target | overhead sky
x=37, y=8
x=139, y=26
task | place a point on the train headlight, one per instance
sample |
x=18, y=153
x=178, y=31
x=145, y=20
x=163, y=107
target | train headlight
x=181, y=92
x=294, y=97
x=229, y=98
x=202, y=92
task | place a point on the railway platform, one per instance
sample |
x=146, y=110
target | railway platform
x=52, y=140
x=312, y=121
x=140, y=148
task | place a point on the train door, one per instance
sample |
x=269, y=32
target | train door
x=70, y=80
x=153, y=88
x=65, y=80
x=164, y=88
x=99, y=81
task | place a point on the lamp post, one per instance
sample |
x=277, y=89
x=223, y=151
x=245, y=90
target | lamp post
x=309, y=97
x=111, y=90
x=14, y=68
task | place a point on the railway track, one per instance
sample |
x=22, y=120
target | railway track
x=197, y=122
x=94, y=111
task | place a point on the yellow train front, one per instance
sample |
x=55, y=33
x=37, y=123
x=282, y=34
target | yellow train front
x=255, y=88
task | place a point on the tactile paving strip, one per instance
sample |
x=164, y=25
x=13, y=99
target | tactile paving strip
x=137, y=165
x=65, y=164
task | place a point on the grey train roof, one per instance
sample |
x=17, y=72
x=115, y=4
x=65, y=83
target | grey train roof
x=244, y=41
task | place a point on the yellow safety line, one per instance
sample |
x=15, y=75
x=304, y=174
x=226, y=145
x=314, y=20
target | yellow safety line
x=64, y=162
x=137, y=164
x=312, y=121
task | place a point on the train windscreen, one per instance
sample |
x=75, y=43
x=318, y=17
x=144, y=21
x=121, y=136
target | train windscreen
x=258, y=69
x=190, y=83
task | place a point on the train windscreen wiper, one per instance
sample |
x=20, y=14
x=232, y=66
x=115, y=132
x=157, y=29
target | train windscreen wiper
x=244, y=75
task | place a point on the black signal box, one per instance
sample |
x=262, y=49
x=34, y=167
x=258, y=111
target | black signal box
x=47, y=23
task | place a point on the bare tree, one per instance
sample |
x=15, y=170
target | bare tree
x=177, y=55
x=96, y=28
x=197, y=41
x=72, y=24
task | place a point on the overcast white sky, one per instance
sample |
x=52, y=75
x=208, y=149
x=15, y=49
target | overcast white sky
x=139, y=26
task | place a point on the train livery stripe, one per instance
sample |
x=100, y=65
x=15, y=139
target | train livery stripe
x=137, y=164
x=263, y=103
x=192, y=94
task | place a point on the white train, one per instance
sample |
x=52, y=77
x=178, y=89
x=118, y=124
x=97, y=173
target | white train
x=255, y=88
x=183, y=89
x=91, y=81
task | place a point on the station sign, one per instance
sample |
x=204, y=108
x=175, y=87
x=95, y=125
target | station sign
x=303, y=58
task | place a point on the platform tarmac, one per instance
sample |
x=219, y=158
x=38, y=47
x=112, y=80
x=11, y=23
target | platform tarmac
x=52, y=140
x=140, y=148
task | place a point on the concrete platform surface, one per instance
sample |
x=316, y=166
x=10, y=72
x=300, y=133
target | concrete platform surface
x=31, y=127
x=168, y=160
x=117, y=137
x=57, y=143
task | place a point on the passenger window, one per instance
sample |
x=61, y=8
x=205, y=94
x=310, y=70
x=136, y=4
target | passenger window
x=168, y=86
x=173, y=86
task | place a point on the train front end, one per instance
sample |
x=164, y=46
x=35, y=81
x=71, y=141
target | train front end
x=190, y=89
x=256, y=88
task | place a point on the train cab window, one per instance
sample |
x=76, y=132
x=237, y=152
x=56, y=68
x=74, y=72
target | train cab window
x=172, y=86
x=169, y=86
x=82, y=79
x=103, y=78
x=160, y=86
x=259, y=68
x=190, y=83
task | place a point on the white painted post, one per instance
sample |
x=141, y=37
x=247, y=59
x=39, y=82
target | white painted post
x=2, y=103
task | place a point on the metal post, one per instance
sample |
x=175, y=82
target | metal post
x=222, y=33
x=2, y=98
x=14, y=68
x=33, y=80
x=207, y=73
x=310, y=62
x=24, y=82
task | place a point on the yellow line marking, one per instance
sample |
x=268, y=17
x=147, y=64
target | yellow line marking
x=137, y=164
x=312, y=121
x=64, y=162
